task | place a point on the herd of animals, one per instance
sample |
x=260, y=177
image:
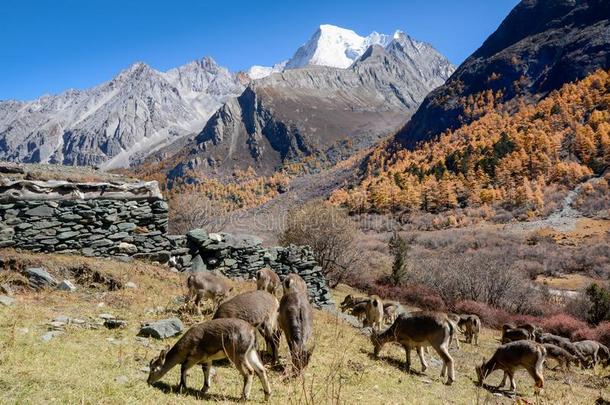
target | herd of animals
x=231, y=333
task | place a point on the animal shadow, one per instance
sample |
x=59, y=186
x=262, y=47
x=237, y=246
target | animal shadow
x=192, y=392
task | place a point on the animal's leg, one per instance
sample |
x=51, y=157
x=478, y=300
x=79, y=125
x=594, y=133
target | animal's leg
x=207, y=378
x=422, y=359
x=260, y=371
x=447, y=361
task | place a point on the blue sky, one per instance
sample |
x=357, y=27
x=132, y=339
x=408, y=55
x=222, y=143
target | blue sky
x=48, y=46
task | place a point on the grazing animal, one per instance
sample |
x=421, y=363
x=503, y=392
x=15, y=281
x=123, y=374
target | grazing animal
x=359, y=311
x=350, y=302
x=418, y=330
x=511, y=356
x=562, y=342
x=593, y=352
x=293, y=282
x=206, y=285
x=374, y=312
x=604, y=355
x=259, y=309
x=471, y=325
x=391, y=309
x=512, y=335
x=296, y=321
x=267, y=280
x=561, y=356
x=531, y=328
x=213, y=340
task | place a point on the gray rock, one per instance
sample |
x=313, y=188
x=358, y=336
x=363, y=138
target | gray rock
x=67, y=235
x=51, y=334
x=199, y=237
x=101, y=243
x=126, y=226
x=106, y=316
x=40, y=211
x=162, y=329
x=118, y=236
x=130, y=284
x=128, y=248
x=6, y=300
x=66, y=285
x=40, y=278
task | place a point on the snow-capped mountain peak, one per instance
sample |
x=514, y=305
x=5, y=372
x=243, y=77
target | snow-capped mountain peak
x=335, y=47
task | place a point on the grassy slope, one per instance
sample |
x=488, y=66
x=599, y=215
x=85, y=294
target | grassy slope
x=85, y=366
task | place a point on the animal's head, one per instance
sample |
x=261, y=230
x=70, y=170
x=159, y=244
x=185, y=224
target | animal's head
x=347, y=301
x=155, y=366
x=377, y=343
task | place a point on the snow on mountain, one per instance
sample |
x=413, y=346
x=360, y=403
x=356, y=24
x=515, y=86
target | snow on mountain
x=258, y=72
x=119, y=121
x=335, y=47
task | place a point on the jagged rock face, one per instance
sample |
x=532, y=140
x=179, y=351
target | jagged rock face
x=317, y=110
x=541, y=45
x=117, y=122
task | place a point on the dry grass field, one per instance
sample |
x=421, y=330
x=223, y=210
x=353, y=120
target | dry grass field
x=101, y=366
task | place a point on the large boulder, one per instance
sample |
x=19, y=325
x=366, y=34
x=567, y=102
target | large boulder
x=162, y=329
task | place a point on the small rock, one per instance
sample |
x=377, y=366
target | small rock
x=128, y=248
x=6, y=300
x=130, y=284
x=51, y=334
x=106, y=316
x=101, y=304
x=62, y=318
x=162, y=329
x=57, y=325
x=115, y=323
x=122, y=379
x=66, y=285
x=145, y=369
x=23, y=331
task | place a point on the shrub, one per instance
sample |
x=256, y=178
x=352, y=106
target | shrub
x=412, y=294
x=600, y=303
x=562, y=325
x=332, y=235
x=602, y=333
x=400, y=250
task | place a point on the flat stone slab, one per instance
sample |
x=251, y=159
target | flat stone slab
x=162, y=329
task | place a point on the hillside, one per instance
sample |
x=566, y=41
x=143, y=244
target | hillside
x=540, y=46
x=97, y=364
x=515, y=161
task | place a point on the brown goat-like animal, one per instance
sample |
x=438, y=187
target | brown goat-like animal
x=359, y=311
x=259, y=309
x=418, y=330
x=562, y=342
x=471, y=325
x=391, y=309
x=561, y=356
x=267, y=280
x=511, y=356
x=350, y=302
x=206, y=285
x=593, y=352
x=293, y=283
x=213, y=340
x=374, y=312
x=296, y=321
x=512, y=335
